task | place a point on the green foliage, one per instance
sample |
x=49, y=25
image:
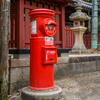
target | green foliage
x=99, y=28
x=98, y=17
x=54, y=18
x=4, y=90
x=90, y=1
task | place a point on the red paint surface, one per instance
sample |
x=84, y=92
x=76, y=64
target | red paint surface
x=49, y=55
x=41, y=62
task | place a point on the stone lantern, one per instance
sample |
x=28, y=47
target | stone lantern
x=79, y=28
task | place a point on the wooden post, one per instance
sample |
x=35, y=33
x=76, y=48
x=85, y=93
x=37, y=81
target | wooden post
x=62, y=9
x=20, y=12
x=4, y=38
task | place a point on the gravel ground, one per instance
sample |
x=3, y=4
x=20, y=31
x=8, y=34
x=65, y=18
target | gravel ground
x=79, y=87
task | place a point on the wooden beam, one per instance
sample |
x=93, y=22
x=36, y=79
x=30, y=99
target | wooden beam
x=55, y=1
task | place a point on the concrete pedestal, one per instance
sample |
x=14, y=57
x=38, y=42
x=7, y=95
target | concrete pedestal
x=63, y=55
x=52, y=94
x=20, y=56
x=79, y=47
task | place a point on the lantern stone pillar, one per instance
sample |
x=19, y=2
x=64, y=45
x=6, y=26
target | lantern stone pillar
x=79, y=28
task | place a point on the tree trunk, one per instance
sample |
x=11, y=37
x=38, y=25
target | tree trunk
x=4, y=38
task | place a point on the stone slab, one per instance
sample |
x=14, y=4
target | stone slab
x=62, y=60
x=16, y=98
x=83, y=59
x=52, y=94
x=20, y=63
x=18, y=85
x=98, y=65
x=65, y=67
x=19, y=74
x=63, y=55
x=21, y=56
x=79, y=52
x=16, y=75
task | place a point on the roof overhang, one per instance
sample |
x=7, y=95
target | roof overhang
x=84, y=4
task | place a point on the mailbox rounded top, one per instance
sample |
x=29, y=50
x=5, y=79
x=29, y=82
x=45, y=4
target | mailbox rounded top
x=41, y=13
x=48, y=27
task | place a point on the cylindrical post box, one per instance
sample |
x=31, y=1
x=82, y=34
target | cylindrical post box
x=43, y=54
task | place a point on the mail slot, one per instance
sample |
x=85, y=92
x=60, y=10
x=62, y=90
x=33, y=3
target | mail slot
x=49, y=55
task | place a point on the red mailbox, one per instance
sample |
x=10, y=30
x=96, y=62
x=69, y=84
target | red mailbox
x=43, y=54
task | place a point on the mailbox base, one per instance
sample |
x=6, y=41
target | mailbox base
x=39, y=89
x=52, y=94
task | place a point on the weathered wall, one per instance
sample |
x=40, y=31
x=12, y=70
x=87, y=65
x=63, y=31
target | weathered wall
x=66, y=66
x=19, y=74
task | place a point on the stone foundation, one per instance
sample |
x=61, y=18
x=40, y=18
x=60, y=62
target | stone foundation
x=66, y=66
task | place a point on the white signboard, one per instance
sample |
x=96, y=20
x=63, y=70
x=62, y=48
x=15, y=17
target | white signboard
x=48, y=40
x=34, y=27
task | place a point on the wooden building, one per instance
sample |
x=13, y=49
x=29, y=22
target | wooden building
x=21, y=25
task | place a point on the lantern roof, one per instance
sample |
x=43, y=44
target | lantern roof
x=79, y=14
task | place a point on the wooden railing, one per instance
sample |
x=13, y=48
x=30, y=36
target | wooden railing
x=87, y=40
x=70, y=38
x=21, y=26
